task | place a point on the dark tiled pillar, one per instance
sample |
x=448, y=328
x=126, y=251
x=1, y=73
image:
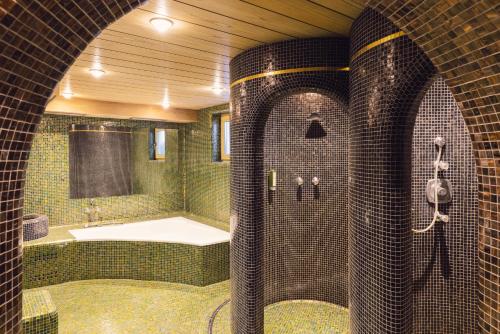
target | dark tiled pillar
x=251, y=103
x=386, y=84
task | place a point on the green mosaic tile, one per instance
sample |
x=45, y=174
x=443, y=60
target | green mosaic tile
x=39, y=313
x=158, y=186
x=294, y=317
x=206, y=182
x=135, y=307
x=48, y=264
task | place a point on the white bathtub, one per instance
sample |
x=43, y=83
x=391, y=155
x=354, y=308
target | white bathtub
x=175, y=230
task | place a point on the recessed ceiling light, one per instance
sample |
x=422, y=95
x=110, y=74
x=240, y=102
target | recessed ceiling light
x=217, y=90
x=161, y=24
x=67, y=94
x=166, y=100
x=96, y=72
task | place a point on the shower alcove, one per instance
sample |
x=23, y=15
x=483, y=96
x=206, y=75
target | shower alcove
x=289, y=243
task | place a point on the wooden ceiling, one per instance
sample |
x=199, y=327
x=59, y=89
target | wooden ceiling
x=193, y=56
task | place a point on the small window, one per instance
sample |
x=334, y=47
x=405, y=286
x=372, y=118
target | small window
x=225, y=142
x=221, y=137
x=157, y=144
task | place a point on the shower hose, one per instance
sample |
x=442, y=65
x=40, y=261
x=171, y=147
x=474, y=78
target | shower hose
x=437, y=215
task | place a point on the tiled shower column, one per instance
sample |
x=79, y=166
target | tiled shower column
x=387, y=79
x=260, y=77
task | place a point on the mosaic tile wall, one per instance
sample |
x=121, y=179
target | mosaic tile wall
x=385, y=86
x=157, y=185
x=39, y=313
x=251, y=103
x=100, y=161
x=54, y=263
x=206, y=181
x=445, y=258
x=459, y=37
x=305, y=233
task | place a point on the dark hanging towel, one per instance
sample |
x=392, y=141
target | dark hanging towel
x=100, y=161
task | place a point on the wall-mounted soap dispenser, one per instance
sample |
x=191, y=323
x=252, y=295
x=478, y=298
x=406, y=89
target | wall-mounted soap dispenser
x=271, y=180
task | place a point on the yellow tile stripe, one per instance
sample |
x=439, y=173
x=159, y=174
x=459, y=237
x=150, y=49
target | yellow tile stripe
x=290, y=70
x=377, y=43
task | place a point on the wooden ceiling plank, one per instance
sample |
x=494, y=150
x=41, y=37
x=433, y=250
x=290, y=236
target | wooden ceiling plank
x=109, y=65
x=95, y=108
x=140, y=75
x=308, y=12
x=137, y=22
x=136, y=79
x=349, y=7
x=144, y=48
x=109, y=56
x=159, y=45
x=187, y=13
x=258, y=17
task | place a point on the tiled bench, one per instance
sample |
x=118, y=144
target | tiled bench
x=39, y=313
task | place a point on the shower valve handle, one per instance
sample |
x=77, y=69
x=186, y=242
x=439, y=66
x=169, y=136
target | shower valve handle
x=315, y=181
x=441, y=165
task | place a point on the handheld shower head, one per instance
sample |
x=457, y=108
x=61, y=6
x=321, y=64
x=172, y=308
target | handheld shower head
x=439, y=141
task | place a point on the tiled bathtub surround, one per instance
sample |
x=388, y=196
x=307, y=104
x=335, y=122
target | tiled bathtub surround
x=59, y=262
x=157, y=186
x=252, y=102
x=445, y=258
x=305, y=233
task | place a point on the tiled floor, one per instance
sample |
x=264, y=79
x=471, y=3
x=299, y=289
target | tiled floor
x=130, y=307
x=295, y=317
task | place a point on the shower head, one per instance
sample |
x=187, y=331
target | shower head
x=314, y=116
x=439, y=141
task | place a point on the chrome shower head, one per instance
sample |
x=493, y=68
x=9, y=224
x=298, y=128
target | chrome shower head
x=439, y=141
x=314, y=116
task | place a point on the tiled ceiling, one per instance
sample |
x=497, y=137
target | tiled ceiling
x=141, y=64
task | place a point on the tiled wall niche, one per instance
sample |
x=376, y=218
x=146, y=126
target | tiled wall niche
x=445, y=258
x=251, y=103
x=305, y=237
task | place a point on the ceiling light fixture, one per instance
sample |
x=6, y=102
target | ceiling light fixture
x=67, y=95
x=217, y=90
x=161, y=24
x=166, y=100
x=97, y=72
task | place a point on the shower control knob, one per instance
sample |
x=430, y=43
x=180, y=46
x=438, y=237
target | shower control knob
x=315, y=181
x=442, y=191
x=299, y=181
x=444, y=218
x=441, y=165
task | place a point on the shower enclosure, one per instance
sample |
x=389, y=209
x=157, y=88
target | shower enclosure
x=348, y=162
x=288, y=239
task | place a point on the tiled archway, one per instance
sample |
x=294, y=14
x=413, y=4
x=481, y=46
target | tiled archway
x=40, y=39
x=462, y=42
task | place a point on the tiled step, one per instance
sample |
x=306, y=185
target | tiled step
x=39, y=313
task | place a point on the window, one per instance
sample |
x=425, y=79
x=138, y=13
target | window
x=225, y=142
x=157, y=144
x=221, y=137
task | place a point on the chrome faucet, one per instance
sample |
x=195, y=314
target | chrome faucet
x=92, y=212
